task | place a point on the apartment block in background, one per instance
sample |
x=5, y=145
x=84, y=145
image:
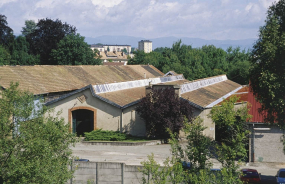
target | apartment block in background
x=145, y=45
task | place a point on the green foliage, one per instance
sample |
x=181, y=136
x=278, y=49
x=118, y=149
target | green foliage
x=72, y=50
x=5, y=57
x=20, y=53
x=109, y=135
x=125, y=51
x=6, y=33
x=105, y=135
x=198, y=145
x=172, y=170
x=232, y=133
x=267, y=75
x=196, y=63
x=30, y=26
x=34, y=146
x=46, y=37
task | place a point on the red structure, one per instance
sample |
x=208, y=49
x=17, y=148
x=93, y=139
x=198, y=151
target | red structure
x=254, y=106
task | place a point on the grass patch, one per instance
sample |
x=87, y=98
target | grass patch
x=109, y=135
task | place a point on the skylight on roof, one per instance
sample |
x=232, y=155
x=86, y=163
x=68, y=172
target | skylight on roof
x=103, y=88
x=202, y=83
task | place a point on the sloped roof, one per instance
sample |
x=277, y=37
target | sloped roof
x=112, y=55
x=242, y=94
x=205, y=96
x=202, y=93
x=42, y=79
x=114, y=63
x=125, y=97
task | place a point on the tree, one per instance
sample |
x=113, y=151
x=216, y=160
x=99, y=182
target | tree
x=5, y=57
x=267, y=75
x=34, y=146
x=232, y=133
x=197, y=152
x=20, y=53
x=125, y=51
x=46, y=36
x=6, y=33
x=30, y=26
x=72, y=50
x=162, y=109
x=197, y=63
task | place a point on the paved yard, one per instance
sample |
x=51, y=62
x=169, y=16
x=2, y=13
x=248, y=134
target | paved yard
x=134, y=155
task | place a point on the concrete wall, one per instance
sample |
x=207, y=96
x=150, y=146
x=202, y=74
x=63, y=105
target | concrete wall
x=105, y=172
x=266, y=145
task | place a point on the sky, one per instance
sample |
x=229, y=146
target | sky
x=206, y=19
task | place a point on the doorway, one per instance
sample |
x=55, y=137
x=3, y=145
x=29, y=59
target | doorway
x=82, y=121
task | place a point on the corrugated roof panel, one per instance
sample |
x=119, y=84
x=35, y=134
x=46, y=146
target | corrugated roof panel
x=206, y=95
x=41, y=79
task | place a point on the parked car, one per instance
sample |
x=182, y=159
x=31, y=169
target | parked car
x=250, y=176
x=186, y=165
x=82, y=160
x=280, y=176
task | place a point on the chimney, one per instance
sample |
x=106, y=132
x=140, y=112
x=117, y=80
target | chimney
x=148, y=89
x=145, y=76
x=177, y=90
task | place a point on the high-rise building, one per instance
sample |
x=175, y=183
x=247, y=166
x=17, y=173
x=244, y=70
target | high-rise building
x=145, y=45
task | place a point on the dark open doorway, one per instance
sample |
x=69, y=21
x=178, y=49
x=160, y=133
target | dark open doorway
x=82, y=121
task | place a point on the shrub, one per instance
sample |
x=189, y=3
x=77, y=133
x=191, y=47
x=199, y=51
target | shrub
x=105, y=135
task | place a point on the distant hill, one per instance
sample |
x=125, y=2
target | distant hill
x=168, y=41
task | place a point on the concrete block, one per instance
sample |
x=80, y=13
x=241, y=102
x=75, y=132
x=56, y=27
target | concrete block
x=109, y=165
x=85, y=171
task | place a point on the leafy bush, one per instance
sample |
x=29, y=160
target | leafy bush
x=105, y=135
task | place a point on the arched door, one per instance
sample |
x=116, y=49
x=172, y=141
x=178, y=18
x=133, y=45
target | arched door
x=82, y=121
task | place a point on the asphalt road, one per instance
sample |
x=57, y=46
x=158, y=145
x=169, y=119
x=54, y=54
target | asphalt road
x=134, y=155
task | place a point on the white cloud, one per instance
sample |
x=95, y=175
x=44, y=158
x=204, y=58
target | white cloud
x=2, y=2
x=219, y=19
x=106, y=3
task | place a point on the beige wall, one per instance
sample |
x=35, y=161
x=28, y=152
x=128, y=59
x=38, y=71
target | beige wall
x=132, y=122
x=108, y=117
x=207, y=122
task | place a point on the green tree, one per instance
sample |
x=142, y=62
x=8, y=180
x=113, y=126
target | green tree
x=46, y=36
x=6, y=33
x=72, y=50
x=197, y=152
x=34, y=146
x=232, y=133
x=196, y=63
x=125, y=51
x=5, y=57
x=267, y=75
x=30, y=26
x=20, y=53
